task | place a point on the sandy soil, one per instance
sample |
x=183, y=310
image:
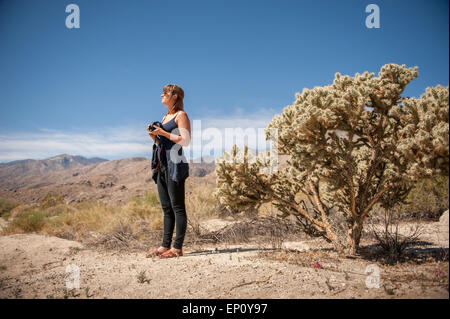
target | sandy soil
x=34, y=266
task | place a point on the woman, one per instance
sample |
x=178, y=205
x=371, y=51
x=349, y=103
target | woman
x=172, y=169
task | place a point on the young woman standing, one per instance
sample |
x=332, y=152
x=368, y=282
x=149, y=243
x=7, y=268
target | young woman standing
x=172, y=170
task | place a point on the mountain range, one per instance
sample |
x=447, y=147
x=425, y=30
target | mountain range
x=78, y=178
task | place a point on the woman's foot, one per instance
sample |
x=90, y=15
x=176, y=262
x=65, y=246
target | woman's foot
x=157, y=252
x=172, y=253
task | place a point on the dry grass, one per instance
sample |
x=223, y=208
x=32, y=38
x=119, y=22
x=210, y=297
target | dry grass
x=200, y=205
x=6, y=205
x=129, y=225
x=93, y=221
x=200, y=202
x=269, y=229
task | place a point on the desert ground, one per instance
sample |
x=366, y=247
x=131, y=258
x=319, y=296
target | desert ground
x=36, y=266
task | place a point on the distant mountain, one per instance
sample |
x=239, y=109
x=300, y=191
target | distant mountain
x=15, y=162
x=28, y=167
x=77, y=178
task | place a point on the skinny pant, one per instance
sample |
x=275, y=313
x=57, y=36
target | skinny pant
x=171, y=195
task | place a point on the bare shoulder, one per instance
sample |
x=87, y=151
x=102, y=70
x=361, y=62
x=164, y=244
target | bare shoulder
x=182, y=115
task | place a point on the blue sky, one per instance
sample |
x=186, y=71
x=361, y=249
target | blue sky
x=91, y=91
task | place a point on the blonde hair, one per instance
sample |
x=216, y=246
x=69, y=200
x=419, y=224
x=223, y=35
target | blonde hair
x=175, y=89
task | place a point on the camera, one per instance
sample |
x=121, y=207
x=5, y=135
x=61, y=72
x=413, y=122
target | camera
x=150, y=127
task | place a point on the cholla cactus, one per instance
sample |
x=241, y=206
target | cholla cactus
x=351, y=144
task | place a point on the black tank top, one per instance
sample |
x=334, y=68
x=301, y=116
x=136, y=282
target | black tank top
x=168, y=127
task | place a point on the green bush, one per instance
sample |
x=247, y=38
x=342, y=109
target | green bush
x=30, y=221
x=6, y=205
x=427, y=200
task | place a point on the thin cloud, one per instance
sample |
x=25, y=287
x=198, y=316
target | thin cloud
x=132, y=141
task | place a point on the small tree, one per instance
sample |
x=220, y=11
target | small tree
x=351, y=145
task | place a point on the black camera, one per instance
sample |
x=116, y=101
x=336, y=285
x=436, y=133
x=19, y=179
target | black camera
x=150, y=127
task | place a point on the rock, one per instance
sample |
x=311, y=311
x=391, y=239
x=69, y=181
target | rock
x=86, y=182
x=443, y=220
x=295, y=245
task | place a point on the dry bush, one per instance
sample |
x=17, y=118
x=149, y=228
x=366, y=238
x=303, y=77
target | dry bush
x=6, y=205
x=51, y=200
x=201, y=205
x=31, y=221
x=120, y=237
x=200, y=202
x=268, y=228
x=103, y=225
x=93, y=222
x=427, y=200
x=393, y=242
x=148, y=199
x=60, y=209
x=351, y=144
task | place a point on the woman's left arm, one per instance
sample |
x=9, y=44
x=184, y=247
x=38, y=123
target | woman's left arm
x=184, y=126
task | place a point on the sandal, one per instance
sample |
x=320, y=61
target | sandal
x=155, y=252
x=170, y=254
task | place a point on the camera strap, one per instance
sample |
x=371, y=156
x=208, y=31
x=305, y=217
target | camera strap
x=159, y=157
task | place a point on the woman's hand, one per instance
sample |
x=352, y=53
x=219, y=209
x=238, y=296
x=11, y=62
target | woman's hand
x=153, y=136
x=159, y=131
x=184, y=127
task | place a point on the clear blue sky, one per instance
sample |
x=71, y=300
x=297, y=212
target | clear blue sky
x=237, y=61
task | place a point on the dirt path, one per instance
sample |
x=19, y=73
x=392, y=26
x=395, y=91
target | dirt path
x=34, y=266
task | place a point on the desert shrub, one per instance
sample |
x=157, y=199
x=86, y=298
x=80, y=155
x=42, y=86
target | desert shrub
x=89, y=216
x=200, y=202
x=262, y=229
x=149, y=198
x=120, y=236
x=6, y=205
x=149, y=213
x=92, y=222
x=110, y=223
x=392, y=242
x=50, y=200
x=351, y=144
x=145, y=208
x=59, y=209
x=32, y=220
x=427, y=200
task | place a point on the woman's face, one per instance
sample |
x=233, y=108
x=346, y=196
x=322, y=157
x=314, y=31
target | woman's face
x=168, y=98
